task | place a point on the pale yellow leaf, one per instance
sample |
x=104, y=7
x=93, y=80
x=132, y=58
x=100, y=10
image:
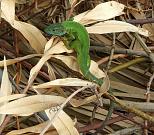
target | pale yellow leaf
x=32, y=34
x=95, y=70
x=63, y=82
x=101, y=12
x=31, y=104
x=15, y=60
x=51, y=73
x=34, y=71
x=6, y=88
x=70, y=61
x=79, y=17
x=115, y=26
x=57, y=48
x=63, y=123
x=8, y=10
x=49, y=44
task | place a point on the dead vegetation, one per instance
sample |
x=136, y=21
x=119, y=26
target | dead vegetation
x=42, y=87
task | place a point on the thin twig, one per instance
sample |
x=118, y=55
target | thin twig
x=128, y=52
x=127, y=64
x=112, y=52
x=130, y=109
x=127, y=131
x=141, y=21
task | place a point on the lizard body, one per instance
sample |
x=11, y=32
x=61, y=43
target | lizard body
x=75, y=36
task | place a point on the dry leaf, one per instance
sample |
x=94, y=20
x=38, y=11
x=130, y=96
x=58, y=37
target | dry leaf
x=71, y=62
x=115, y=26
x=57, y=48
x=11, y=97
x=95, y=70
x=30, y=32
x=8, y=10
x=101, y=12
x=6, y=89
x=34, y=71
x=49, y=44
x=29, y=105
x=63, y=123
x=63, y=82
x=51, y=73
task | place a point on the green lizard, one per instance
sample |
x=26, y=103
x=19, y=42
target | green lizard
x=75, y=36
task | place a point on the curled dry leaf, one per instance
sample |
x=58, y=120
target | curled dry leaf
x=63, y=82
x=31, y=104
x=115, y=26
x=63, y=123
x=58, y=48
x=95, y=70
x=101, y=12
x=30, y=32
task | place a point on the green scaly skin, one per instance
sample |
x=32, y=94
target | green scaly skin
x=75, y=36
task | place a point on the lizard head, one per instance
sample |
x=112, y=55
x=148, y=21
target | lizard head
x=55, y=29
